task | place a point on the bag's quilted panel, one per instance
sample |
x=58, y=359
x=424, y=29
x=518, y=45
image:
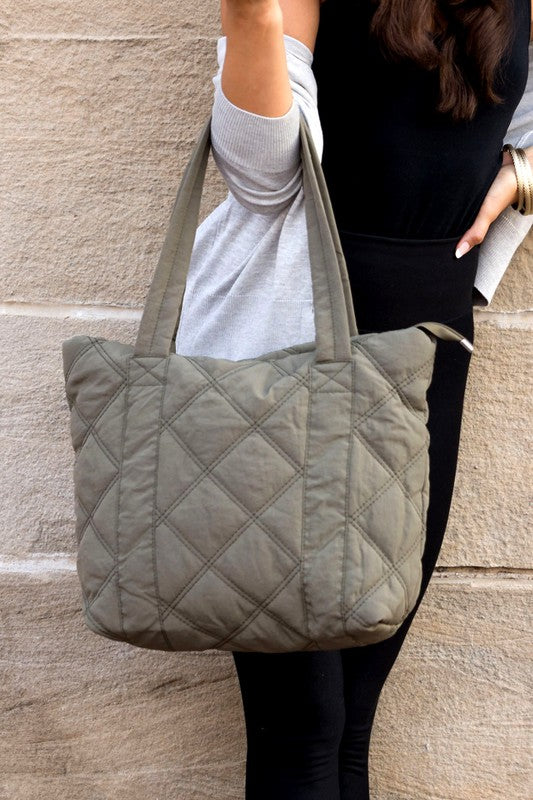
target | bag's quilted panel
x=228, y=504
x=244, y=433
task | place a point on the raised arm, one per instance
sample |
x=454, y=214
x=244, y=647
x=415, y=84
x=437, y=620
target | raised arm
x=263, y=84
x=502, y=231
x=255, y=75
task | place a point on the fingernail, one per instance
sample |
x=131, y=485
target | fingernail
x=462, y=249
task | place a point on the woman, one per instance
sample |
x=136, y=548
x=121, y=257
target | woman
x=402, y=103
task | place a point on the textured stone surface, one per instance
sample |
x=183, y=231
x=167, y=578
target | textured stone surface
x=98, y=117
x=121, y=18
x=454, y=716
x=491, y=518
x=86, y=718
x=515, y=291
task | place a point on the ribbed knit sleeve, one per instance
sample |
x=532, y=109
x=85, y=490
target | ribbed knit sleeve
x=507, y=232
x=259, y=156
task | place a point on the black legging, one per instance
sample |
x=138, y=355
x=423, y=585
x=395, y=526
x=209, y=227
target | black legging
x=309, y=714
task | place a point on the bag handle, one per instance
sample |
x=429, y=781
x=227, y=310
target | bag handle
x=333, y=305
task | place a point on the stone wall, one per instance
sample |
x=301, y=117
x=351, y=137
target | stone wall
x=100, y=104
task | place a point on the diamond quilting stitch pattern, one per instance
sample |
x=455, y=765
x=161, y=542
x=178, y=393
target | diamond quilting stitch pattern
x=243, y=435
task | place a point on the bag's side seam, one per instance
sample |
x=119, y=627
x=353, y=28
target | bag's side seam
x=347, y=494
x=154, y=508
x=424, y=497
x=114, y=570
x=117, y=510
x=303, y=541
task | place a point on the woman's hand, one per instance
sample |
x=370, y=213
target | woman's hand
x=503, y=192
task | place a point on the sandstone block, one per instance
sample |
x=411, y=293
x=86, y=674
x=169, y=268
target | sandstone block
x=490, y=519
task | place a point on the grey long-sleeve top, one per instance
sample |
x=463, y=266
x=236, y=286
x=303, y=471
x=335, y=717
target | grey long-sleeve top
x=249, y=288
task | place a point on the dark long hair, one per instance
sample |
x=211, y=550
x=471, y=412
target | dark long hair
x=465, y=40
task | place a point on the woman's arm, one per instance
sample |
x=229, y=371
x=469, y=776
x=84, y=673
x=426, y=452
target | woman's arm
x=255, y=76
x=256, y=145
x=498, y=226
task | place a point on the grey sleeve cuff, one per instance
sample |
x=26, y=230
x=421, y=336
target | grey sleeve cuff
x=253, y=141
x=503, y=238
x=259, y=156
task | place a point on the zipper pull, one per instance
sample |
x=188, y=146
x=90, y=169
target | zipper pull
x=445, y=332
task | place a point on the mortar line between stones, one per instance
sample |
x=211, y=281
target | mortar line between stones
x=75, y=37
x=65, y=562
x=521, y=318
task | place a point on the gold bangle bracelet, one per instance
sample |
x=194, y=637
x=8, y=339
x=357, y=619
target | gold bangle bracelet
x=527, y=179
x=528, y=190
x=524, y=178
x=519, y=174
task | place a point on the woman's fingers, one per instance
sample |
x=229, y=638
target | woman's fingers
x=503, y=192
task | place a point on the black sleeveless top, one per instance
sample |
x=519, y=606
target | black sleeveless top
x=401, y=169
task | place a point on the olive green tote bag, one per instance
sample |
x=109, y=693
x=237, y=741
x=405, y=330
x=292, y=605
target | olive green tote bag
x=269, y=504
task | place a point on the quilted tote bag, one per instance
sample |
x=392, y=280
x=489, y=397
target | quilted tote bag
x=269, y=504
